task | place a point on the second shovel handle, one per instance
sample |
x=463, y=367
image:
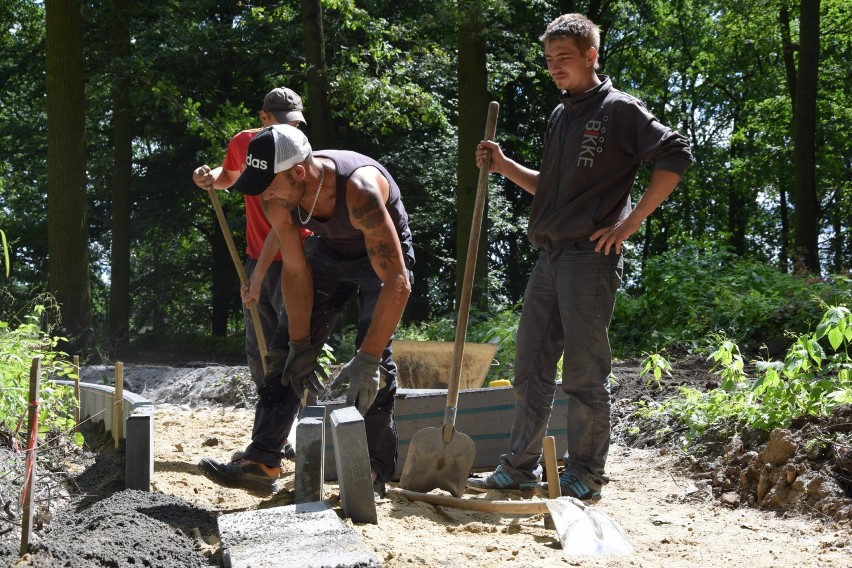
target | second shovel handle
x=241, y=274
x=549, y=445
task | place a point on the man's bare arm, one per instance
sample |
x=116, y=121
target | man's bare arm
x=366, y=195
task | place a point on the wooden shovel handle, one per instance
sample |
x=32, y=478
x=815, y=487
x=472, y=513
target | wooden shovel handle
x=510, y=507
x=238, y=264
x=469, y=268
x=553, y=489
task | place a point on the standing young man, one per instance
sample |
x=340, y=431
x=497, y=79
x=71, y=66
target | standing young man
x=280, y=106
x=596, y=139
x=363, y=245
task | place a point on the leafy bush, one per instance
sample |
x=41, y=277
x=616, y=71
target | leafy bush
x=814, y=378
x=18, y=347
x=689, y=294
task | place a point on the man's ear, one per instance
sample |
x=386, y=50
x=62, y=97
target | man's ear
x=591, y=56
x=298, y=172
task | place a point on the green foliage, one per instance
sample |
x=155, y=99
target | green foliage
x=814, y=378
x=19, y=345
x=501, y=328
x=326, y=357
x=697, y=290
x=730, y=363
x=5, y=251
x=438, y=329
x=657, y=365
x=712, y=70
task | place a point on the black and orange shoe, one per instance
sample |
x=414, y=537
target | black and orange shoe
x=241, y=473
x=288, y=450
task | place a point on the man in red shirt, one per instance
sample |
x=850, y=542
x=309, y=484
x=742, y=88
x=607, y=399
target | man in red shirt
x=280, y=106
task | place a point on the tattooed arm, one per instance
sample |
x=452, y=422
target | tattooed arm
x=366, y=195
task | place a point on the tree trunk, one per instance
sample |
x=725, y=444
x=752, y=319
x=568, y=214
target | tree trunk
x=318, y=105
x=784, y=239
x=68, y=258
x=473, y=111
x=806, y=212
x=737, y=201
x=788, y=49
x=119, y=296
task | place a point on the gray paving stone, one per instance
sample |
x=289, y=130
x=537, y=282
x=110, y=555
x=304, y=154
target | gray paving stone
x=307, y=535
x=353, y=465
x=139, y=449
x=310, y=448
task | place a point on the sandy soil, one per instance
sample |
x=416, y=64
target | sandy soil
x=670, y=518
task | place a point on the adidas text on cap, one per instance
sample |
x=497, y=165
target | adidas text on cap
x=274, y=149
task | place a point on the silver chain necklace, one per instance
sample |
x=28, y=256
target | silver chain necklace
x=316, y=198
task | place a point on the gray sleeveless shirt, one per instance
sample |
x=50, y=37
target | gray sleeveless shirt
x=338, y=231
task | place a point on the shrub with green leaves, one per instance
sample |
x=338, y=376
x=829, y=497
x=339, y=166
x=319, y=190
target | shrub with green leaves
x=19, y=345
x=814, y=378
x=690, y=293
x=656, y=364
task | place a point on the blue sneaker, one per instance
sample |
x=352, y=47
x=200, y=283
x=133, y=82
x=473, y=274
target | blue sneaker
x=501, y=481
x=571, y=486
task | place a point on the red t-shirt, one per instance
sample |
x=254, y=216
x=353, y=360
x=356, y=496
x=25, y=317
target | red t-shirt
x=257, y=226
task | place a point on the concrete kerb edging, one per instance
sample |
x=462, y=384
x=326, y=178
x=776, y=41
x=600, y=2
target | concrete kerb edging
x=96, y=404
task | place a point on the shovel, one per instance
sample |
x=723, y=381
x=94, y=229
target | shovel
x=441, y=458
x=583, y=531
x=238, y=263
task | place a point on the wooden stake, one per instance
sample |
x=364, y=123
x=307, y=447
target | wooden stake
x=118, y=406
x=30, y=462
x=553, y=488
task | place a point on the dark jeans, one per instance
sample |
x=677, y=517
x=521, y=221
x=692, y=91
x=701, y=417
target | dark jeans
x=270, y=308
x=336, y=280
x=567, y=308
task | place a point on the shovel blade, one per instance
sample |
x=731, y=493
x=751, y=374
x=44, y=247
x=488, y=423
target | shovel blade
x=433, y=464
x=584, y=531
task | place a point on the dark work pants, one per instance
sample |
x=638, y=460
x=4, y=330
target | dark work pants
x=270, y=307
x=567, y=309
x=336, y=280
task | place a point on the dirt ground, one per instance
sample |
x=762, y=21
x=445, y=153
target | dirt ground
x=731, y=511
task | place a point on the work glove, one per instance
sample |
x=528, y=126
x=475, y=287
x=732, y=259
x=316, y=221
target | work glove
x=301, y=368
x=362, y=374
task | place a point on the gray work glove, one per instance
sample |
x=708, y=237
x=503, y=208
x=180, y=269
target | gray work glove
x=362, y=374
x=301, y=368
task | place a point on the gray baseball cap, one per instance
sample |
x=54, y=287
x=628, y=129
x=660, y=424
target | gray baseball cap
x=285, y=104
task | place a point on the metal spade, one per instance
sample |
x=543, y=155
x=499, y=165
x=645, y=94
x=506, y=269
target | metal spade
x=441, y=458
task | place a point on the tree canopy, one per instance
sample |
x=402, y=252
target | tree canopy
x=165, y=93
